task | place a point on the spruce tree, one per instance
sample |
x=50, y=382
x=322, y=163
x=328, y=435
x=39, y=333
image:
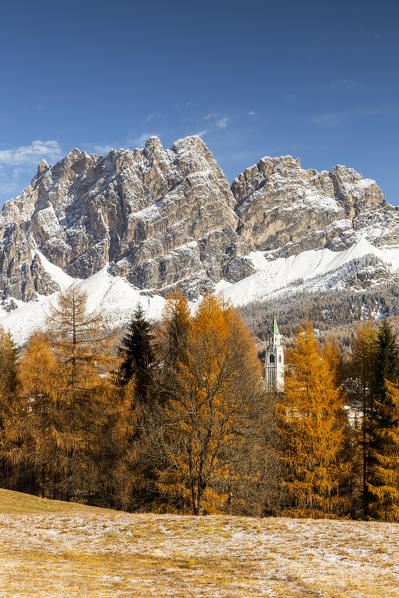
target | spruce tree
x=385, y=472
x=382, y=418
x=137, y=370
x=9, y=396
x=362, y=372
x=386, y=361
x=138, y=357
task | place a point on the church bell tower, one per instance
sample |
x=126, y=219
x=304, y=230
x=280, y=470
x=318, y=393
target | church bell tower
x=274, y=360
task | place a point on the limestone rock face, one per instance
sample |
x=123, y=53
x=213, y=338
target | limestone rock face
x=286, y=209
x=158, y=217
x=165, y=217
x=238, y=268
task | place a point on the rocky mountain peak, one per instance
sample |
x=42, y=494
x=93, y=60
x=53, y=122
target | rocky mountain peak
x=286, y=209
x=153, y=147
x=41, y=168
x=156, y=218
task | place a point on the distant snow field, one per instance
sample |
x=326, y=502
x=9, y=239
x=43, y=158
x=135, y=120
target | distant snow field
x=310, y=270
x=115, y=298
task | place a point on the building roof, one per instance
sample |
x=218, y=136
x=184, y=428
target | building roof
x=275, y=327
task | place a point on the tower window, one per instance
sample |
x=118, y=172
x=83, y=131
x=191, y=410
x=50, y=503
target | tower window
x=271, y=358
x=279, y=358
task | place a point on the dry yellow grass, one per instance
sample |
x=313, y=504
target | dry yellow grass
x=51, y=549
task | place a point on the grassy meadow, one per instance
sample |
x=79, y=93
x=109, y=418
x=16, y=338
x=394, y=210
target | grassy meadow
x=56, y=549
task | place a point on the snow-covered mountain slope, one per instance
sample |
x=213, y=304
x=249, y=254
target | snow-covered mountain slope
x=115, y=298
x=132, y=225
x=111, y=296
x=315, y=270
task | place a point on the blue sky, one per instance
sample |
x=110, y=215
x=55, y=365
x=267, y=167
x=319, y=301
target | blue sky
x=318, y=80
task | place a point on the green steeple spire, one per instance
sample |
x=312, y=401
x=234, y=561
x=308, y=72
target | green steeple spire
x=275, y=327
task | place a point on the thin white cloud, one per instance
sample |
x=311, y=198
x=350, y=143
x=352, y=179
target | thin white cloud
x=329, y=119
x=18, y=165
x=333, y=119
x=151, y=116
x=342, y=85
x=9, y=186
x=210, y=116
x=103, y=149
x=201, y=133
x=27, y=155
x=251, y=113
x=139, y=140
x=222, y=123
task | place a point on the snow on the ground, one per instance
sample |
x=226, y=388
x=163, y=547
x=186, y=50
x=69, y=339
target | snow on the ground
x=99, y=553
x=115, y=298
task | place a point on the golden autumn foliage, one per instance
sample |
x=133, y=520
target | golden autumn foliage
x=215, y=385
x=69, y=400
x=78, y=340
x=191, y=428
x=36, y=415
x=363, y=349
x=331, y=353
x=311, y=434
x=174, y=329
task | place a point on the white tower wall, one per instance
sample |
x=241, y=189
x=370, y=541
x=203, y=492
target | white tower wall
x=274, y=362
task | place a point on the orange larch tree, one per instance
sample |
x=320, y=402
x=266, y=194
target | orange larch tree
x=215, y=390
x=68, y=398
x=311, y=432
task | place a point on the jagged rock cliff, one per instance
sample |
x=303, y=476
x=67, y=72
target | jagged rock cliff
x=152, y=218
x=289, y=210
x=156, y=216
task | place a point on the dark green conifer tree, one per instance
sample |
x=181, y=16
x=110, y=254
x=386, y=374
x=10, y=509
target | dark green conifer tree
x=382, y=417
x=138, y=358
x=138, y=367
x=8, y=365
x=9, y=395
x=361, y=372
x=172, y=342
x=386, y=360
